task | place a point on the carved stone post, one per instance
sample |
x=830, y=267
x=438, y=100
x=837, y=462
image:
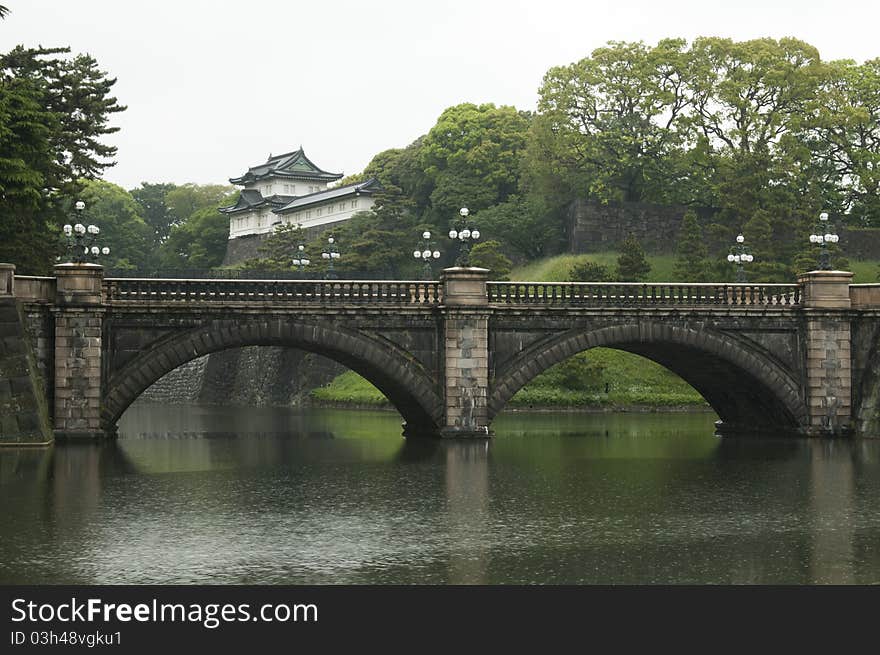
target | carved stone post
x=826, y=299
x=78, y=333
x=466, y=344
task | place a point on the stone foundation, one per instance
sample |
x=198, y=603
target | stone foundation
x=24, y=414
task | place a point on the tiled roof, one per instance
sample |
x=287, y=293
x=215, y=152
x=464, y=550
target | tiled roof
x=250, y=199
x=366, y=188
x=294, y=165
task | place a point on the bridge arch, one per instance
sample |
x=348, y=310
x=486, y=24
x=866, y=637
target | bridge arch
x=744, y=385
x=404, y=381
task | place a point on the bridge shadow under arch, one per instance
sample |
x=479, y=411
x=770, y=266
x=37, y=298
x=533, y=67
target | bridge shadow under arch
x=405, y=382
x=747, y=387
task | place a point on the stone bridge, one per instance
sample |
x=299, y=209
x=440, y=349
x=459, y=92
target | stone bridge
x=801, y=359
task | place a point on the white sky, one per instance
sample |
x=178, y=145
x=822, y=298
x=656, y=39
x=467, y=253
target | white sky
x=213, y=87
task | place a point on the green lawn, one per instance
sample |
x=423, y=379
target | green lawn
x=350, y=388
x=864, y=271
x=629, y=380
x=555, y=269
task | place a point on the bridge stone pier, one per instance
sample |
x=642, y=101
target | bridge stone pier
x=76, y=348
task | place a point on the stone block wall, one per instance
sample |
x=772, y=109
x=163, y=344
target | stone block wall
x=24, y=415
x=829, y=373
x=466, y=335
x=258, y=376
x=866, y=376
x=40, y=328
x=78, y=336
x=594, y=227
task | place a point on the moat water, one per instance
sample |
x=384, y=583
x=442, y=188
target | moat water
x=270, y=496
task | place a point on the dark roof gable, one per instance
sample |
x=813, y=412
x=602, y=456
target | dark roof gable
x=292, y=165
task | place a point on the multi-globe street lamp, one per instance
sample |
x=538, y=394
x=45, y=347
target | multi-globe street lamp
x=823, y=235
x=330, y=253
x=465, y=234
x=426, y=252
x=81, y=245
x=301, y=258
x=739, y=255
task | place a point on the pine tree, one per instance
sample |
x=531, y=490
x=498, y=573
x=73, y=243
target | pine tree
x=632, y=265
x=278, y=251
x=488, y=254
x=690, y=253
x=53, y=113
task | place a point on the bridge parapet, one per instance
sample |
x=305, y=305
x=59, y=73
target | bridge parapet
x=31, y=288
x=864, y=296
x=599, y=294
x=371, y=292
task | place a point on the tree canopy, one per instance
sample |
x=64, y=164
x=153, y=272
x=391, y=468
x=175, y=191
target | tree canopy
x=55, y=110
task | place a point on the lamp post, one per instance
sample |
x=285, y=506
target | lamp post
x=330, y=253
x=426, y=252
x=462, y=231
x=739, y=255
x=823, y=236
x=301, y=258
x=81, y=245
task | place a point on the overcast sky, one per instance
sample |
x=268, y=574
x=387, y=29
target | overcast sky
x=213, y=87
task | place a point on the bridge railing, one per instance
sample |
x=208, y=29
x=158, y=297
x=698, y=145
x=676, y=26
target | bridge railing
x=152, y=290
x=32, y=288
x=603, y=294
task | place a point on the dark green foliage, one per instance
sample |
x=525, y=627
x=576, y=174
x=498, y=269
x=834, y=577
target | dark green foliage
x=524, y=225
x=199, y=243
x=488, y=254
x=690, y=253
x=471, y=156
x=588, y=271
x=117, y=215
x=279, y=249
x=54, y=111
x=370, y=244
x=154, y=209
x=632, y=265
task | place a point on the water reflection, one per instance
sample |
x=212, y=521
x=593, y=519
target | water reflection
x=214, y=495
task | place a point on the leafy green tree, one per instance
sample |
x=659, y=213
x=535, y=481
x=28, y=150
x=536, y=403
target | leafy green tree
x=112, y=209
x=199, y=243
x=488, y=254
x=185, y=200
x=155, y=211
x=845, y=138
x=523, y=224
x=25, y=157
x=612, y=122
x=471, y=156
x=588, y=271
x=690, y=254
x=55, y=110
x=748, y=102
x=632, y=265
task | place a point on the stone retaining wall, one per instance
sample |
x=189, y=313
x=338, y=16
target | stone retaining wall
x=24, y=414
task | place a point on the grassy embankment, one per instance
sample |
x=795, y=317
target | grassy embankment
x=582, y=381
